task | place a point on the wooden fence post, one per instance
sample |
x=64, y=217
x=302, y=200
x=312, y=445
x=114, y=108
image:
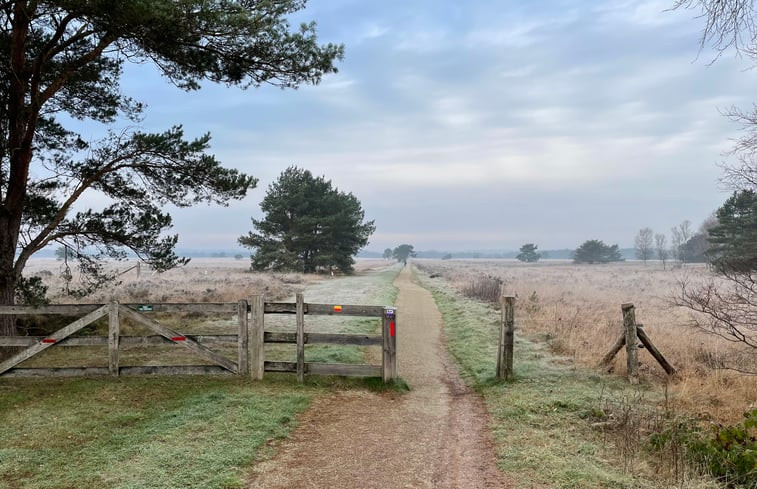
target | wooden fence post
x=114, y=336
x=647, y=342
x=389, y=344
x=506, y=339
x=632, y=356
x=256, y=336
x=300, y=304
x=243, y=343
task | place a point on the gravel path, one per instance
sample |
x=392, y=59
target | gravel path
x=435, y=436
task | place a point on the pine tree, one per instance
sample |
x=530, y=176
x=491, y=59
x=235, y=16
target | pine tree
x=308, y=226
x=63, y=61
x=733, y=241
x=528, y=253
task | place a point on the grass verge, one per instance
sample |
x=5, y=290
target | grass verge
x=545, y=420
x=148, y=432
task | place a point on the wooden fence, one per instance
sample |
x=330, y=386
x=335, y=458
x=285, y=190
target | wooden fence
x=249, y=340
x=632, y=334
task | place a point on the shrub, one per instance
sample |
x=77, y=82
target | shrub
x=730, y=454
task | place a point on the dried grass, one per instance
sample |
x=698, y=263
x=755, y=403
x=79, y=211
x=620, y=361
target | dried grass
x=576, y=308
x=202, y=280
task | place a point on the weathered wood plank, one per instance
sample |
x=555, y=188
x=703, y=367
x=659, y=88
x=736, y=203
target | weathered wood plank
x=151, y=340
x=243, y=349
x=325, y=338
x=256, y=338
x=58, y=309
x=130, y=370
x=175, y=370
x=114, y=326
x=324, y=309
x=506, y=339
x=647, y=342
x=54, y=338
x=160, y=340
x=290, y=367
x=343, y=339
x=345, y=310
x=341, y=369
x=77, y=309
x=57, y=372
x=181, y=339
x=195, y=307
x=614, y=350
x=300, y=302
x=389, y=344
x=278, y=337
x=282, y=308
x=632, y=356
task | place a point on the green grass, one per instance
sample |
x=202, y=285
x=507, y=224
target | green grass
x=543, y=417
x=149, y=432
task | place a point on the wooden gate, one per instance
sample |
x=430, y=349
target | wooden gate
x=138, y=314
x=387, y=339
x=250, y=339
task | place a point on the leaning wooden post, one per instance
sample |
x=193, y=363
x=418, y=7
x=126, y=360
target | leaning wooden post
x=243, y=349
x=614, y=350
x=647, y=342
x=389, y=344
x=632, y=356
x=300, y=300
x=506, y=339
x=114, y=336
x=256, y=335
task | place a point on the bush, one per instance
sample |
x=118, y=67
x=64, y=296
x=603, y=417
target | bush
x=486, y=288
x=730, y=454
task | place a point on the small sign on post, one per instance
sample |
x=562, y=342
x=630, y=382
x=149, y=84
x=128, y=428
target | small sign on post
x=389, y=341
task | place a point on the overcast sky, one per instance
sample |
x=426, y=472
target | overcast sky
x=482, y=124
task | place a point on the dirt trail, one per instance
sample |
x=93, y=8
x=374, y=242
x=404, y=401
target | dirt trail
x=435, y=436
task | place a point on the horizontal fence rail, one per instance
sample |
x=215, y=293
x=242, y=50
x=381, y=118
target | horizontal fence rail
x=250, y=339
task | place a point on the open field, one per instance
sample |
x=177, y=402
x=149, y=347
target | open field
x=560, y=423
x=576, y=308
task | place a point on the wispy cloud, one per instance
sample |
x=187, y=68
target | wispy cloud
x=579, y=119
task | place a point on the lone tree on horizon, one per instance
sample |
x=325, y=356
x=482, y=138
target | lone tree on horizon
x=528, y=253
x=403, y=252
x=308, y=226
x=63, y=61
x=596, y=251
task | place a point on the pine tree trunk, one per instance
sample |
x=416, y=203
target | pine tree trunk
x=7, y=323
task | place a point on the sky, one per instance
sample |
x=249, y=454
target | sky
x=482, y=125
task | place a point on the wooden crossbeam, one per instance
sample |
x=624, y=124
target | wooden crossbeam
x=178, y=338
x=54, y=338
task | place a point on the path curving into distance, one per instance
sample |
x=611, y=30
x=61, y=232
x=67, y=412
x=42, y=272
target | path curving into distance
x=435, y=436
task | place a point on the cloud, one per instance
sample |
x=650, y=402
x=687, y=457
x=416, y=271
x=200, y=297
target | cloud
x=576, y=120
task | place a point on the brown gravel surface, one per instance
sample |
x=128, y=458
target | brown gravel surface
x=435, y=436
